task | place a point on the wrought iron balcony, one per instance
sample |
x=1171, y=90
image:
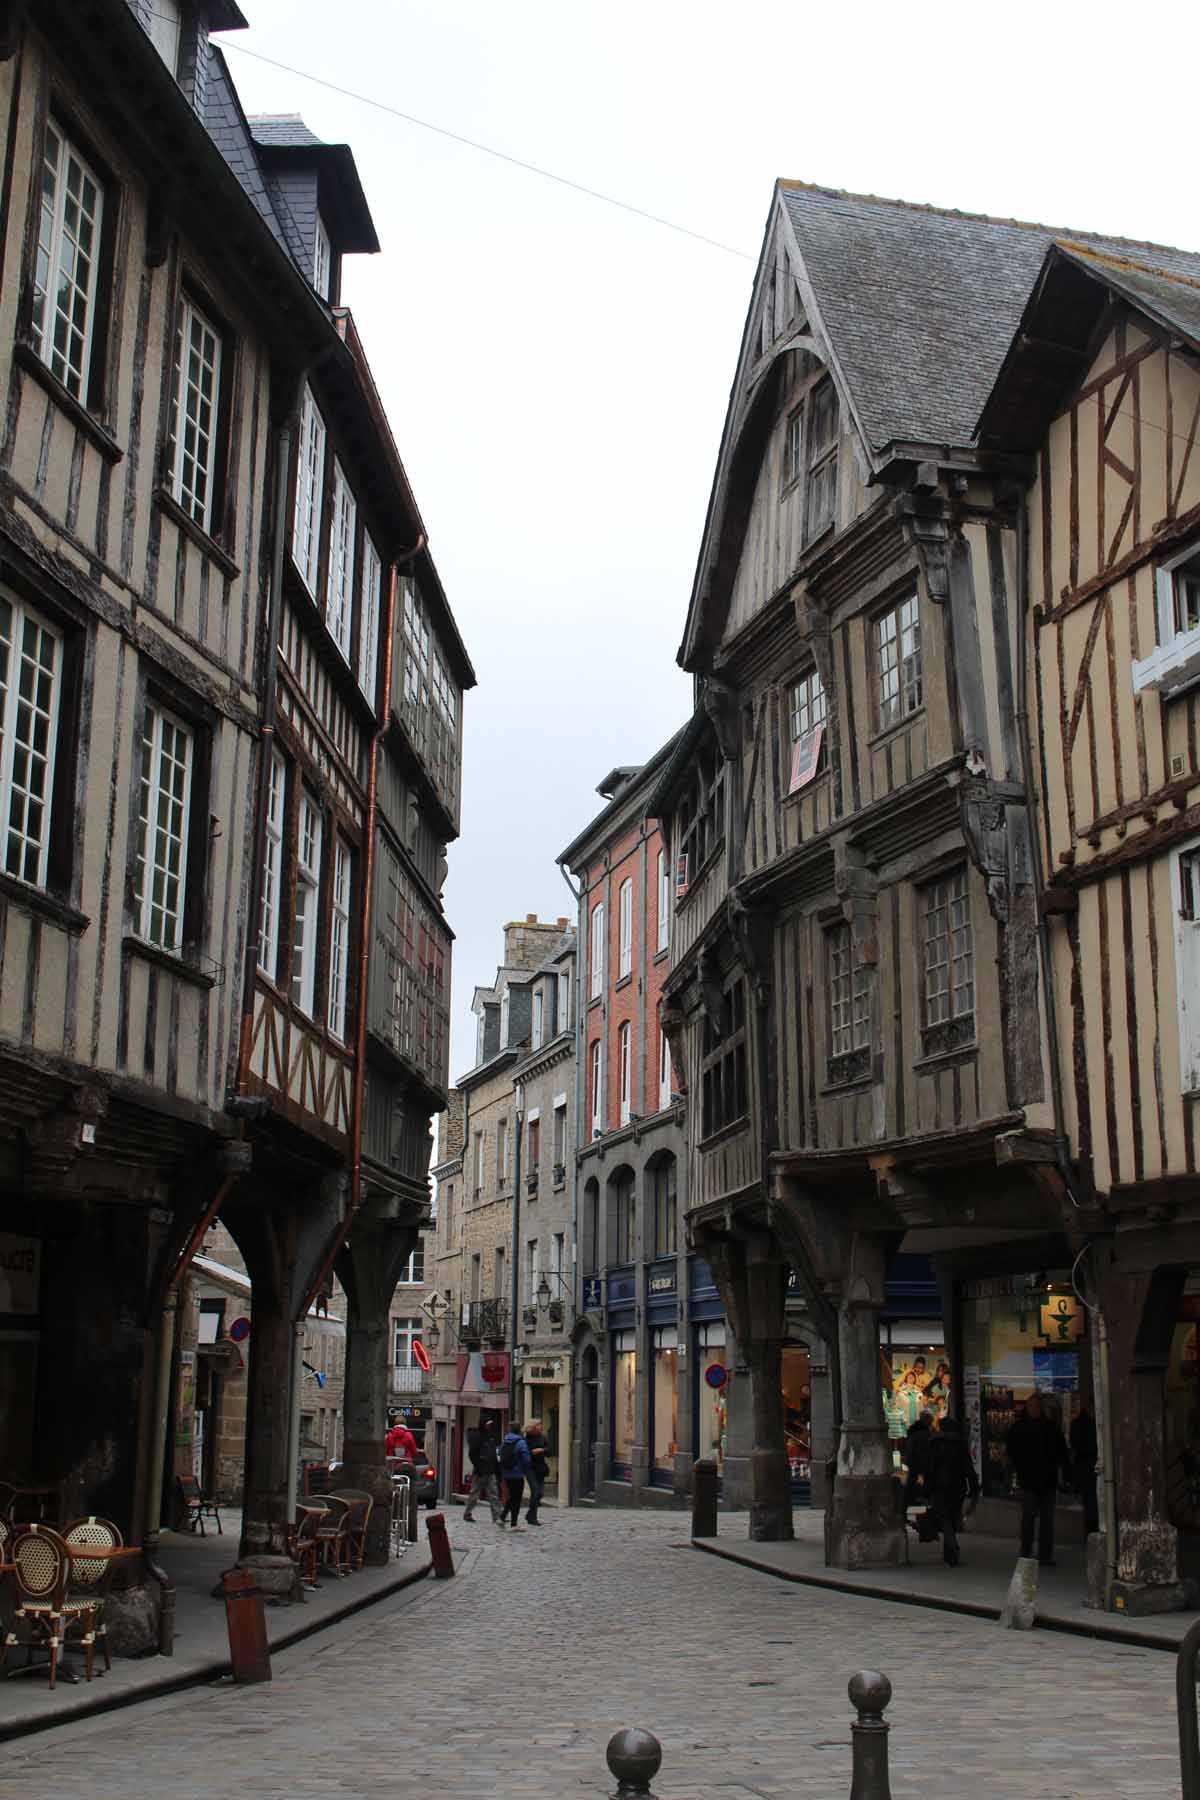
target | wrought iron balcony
x=408, y=1379
x=486, y=1319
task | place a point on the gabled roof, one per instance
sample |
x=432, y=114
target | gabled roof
x=1054, y=341
x=284, y=130
x=625, y=804
x=283, y=140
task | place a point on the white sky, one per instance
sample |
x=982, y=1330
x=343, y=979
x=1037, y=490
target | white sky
x=556, y=371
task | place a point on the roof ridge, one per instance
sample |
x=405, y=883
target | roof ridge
x=954, y=212
x=1131, y=263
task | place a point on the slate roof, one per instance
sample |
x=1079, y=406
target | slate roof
x=227, y=125
x=281, y=131
x=921, y=304
x=1172, y=298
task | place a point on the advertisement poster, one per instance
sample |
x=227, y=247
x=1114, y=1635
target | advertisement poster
x=914, y=1382
x=974, y=1419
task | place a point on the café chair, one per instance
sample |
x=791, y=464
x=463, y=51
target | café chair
x=91, y=1575
x=41, y=1569
x=358, y=1513
x=304, y=1546
x=333, y=1534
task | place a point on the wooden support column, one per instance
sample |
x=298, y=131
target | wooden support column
x=752, y=1277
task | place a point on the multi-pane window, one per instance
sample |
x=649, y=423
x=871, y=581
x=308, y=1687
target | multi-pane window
x=723, y=1092
x=596, y=987
x=560, y=1135
x=370, y=589
x=535, y=1143
x=67, y=262
x=596, y=1090
x=405, y=1332
x=898, y=642
x=531, y=1272
x=1187, y=965
x=625, y=932
x=410, y=954
x=624, y=1060
x=268, y=931
x=339, y=939
x=624, y=1207
x=339, y=581
x=310, y=475
x=1186, y=596
x=664, y=1071
x=793, y=448
x=308, y=887
x=479, y=1162
x=536, y=1027
x=849, y=995
x=949, y=950
x=564, y=996
x=820, y=500
x=502, y=1152
x=430, y=704
x=30, y=690
x=700, y=821
x=808, y=705
x=322, y=260
x=166, y=25
x=160, y=868
x=195, y=396
x=413, y=1273
x=664, y=901
x=663, y=1207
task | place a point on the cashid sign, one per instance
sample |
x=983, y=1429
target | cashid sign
x=20, y=1273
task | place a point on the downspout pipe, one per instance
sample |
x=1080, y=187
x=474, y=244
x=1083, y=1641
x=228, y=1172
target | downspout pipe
x=515, y=1259
x=576, y=893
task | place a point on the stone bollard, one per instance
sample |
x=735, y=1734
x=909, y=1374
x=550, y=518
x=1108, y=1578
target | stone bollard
x=439, y=1546
x=869, y=1694
x=704, y=1499
x=1020, y=1603
x=634, y=1757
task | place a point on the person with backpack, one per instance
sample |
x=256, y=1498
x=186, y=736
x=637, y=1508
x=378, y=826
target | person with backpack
x=515, y=1465
x=950, y=1477
x=485, y=1468
x=539, y=1470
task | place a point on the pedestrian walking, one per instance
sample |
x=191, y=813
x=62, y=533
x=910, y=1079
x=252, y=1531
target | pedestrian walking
x=917, y=1445
x=1038, y=1452
x=539, y=1468
x=485, y=1470
x=400, y=1441
x=950, y=1477
x=515, y=1466
x=1084, y=1449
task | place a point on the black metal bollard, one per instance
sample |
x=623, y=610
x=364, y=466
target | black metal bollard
x=704, y=1499
x=634, y=1757
x=869, y=1694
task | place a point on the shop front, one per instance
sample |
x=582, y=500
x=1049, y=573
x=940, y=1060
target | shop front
x=624, y=1403
x=664, y=1404
x=482, y=1387
x=711, y=1363
x=796, y=1380
x=20, y=1336
x=546, y=1395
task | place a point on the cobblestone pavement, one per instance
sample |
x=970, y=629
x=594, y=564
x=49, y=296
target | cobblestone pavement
x=506, y=1683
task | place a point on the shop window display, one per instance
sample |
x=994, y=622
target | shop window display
x=624, y=1404
x=713, y=1400
x=665, y=1396
x=797, y=1412
x=1022, y=1334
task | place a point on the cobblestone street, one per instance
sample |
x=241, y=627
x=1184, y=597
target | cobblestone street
x=508, y=1682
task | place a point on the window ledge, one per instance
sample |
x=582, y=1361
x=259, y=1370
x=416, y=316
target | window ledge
x=662, y=954
x=100, y=436
x=167, y=503
x=1171, y=667
x=167, y=960
x=622, y=981
x=809, y=787
x=696, y=881
x=43, y=904
x=949, y=1036
x=726, y=1131
x=852, y=1069
x=891, y=731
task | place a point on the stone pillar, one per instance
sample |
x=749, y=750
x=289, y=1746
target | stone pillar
x=862, y=1527
x=752, y=1278
x=381, y=1241
x=1140, y=1310
x=269, y=1387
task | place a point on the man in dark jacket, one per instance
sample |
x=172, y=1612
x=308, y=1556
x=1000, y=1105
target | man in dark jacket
x=1037, y=1450
x=485, y=1470
x=515, y=1465
x=539, y=1469
x=917, y=1446
x=950, y=1477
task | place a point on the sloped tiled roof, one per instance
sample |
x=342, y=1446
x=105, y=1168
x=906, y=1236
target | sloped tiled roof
x=921, y=304
x=1169, y=296
x=281, y=131
x=227, y=126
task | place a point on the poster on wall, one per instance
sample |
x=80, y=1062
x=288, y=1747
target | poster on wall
x=974, y=1419
x=914, y=1382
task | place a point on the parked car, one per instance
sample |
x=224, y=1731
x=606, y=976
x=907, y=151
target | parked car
x=423, y=1473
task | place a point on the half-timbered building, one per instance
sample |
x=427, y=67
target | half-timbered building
x=856, y=1003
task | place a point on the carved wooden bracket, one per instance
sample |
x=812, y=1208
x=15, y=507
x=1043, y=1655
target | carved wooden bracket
x=673, y=1023
x=56, y=1139
x=985, y=827
x=720, y=704
x=926, y=529
x=812, y=627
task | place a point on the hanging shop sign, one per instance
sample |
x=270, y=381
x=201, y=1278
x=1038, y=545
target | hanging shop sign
x=420, y=1355
x=1062, y=1318
x=716, y=1376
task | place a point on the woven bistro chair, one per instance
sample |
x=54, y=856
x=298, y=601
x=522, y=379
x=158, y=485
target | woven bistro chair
x=304, y=1547
x=333, y=1534
x=42, y=1572
x=91, y=1576
x=358, y=1515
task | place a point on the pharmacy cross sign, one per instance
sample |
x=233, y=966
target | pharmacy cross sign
x=1062, y=1319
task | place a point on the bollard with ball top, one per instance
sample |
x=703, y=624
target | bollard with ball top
x=439, y=1546
x=634, y=1757
x=869, y=1694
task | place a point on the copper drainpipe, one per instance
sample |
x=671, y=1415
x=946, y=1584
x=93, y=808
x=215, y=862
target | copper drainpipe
x=364, y=948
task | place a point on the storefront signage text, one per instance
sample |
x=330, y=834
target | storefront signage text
x=545, y=1371
x=662, y=1284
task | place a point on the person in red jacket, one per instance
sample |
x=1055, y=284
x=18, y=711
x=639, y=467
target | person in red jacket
x=400, y=1442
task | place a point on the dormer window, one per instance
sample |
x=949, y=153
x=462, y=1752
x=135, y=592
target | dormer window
x=322, y=260
x=166, y=31
x=820, y=507
x=504, y=1021
x=538, y=1015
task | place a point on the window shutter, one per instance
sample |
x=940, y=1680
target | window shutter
x=1164, y=593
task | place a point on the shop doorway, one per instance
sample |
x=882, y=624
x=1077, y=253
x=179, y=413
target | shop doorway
x=544, y=1405
x=797, y=1419
x=591, y=1418
x=710, y=1361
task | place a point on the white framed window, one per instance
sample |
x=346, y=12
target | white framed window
x=898, y=652
x=166, y=24
x=405, y=1332
x=560, y=1133
x=1174, y=663
x=625, y=929
x=808, y=705
x=664, y=900
x=268, y=930
x=566, y=976
x=539, y=1004
x=597, y=962
x=949, y=950
x=504, y=1016
x=624, y=1038
x=370, y=589
x=160, y=868
x=310, y=477
x=558, y=1252
x=413, y=1273
x=322, y=259
x=793, y=448
x=308, y=890
x=533, y=1141
x=339, y=938
x=31, y=654
x=67, y=261
x=664, y=1071
x=478, y=1163
x=502, y=1152
x=195, y=406
x=849, y=994
x=594, y=1074
x=339, y=580
x=531, y=1272
x=1185, y=876
x=820, y=499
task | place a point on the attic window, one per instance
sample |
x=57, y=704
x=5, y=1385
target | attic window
x=166, y=29
x=322, y=260
x=821, y=498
